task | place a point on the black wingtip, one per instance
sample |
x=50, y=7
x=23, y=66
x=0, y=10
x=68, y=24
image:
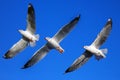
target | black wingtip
x=78, y=17
x=30, y=8
x=67, y=71
x=109, y=21
x=30, y=5
x=7, y=55
x=24, y=67
x=64, y=73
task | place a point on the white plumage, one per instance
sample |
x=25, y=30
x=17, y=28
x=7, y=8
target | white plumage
x=28, y=36
x=93, y=49
x=52, y=43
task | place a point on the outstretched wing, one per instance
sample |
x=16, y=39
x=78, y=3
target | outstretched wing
x=79, y=61
x=40, y=54
x=16, y=48
x=31, y=27
x=102, y=36
x=66, y=29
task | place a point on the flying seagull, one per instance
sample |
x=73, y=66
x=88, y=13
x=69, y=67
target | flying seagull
x=93, y=49
x=52, y=43
x=28, y=36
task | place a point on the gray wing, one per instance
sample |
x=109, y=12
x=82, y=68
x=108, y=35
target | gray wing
x=40, y=54
x=79, y=61
x=66, y=29
x=31, y=27
x=102, y=36
x=16, y=48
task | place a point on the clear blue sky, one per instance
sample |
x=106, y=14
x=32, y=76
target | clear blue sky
x=50, y=16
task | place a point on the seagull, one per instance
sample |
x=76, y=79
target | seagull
x=93, y=49
x=28, y=36
x=52, y=43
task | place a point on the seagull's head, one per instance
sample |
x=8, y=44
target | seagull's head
x=47, y=38
x=86, y=47
x=21, y=31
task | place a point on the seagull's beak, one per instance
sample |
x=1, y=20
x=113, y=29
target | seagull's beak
x=46, y=39
x=20, y=31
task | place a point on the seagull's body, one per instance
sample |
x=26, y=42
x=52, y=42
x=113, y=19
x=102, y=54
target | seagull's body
x=28, y=36
x=93, y=49
x=52, y=43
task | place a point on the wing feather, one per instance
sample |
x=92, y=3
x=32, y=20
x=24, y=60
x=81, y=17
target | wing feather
x=38, y=55
x=16, y=48
x=102, y=36
x=66, y=29
x=31, y=27
x=79, y=61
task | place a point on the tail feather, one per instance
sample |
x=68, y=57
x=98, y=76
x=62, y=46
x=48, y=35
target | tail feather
x=37, y=37
x=32, y=44
x=104, y=51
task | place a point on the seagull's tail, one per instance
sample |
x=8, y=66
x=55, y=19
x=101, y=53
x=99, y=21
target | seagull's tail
x=37, y=37
x=104, y=51
x=103, y=54
x=32, y=44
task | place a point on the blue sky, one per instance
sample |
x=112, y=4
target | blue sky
x=50, y=16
